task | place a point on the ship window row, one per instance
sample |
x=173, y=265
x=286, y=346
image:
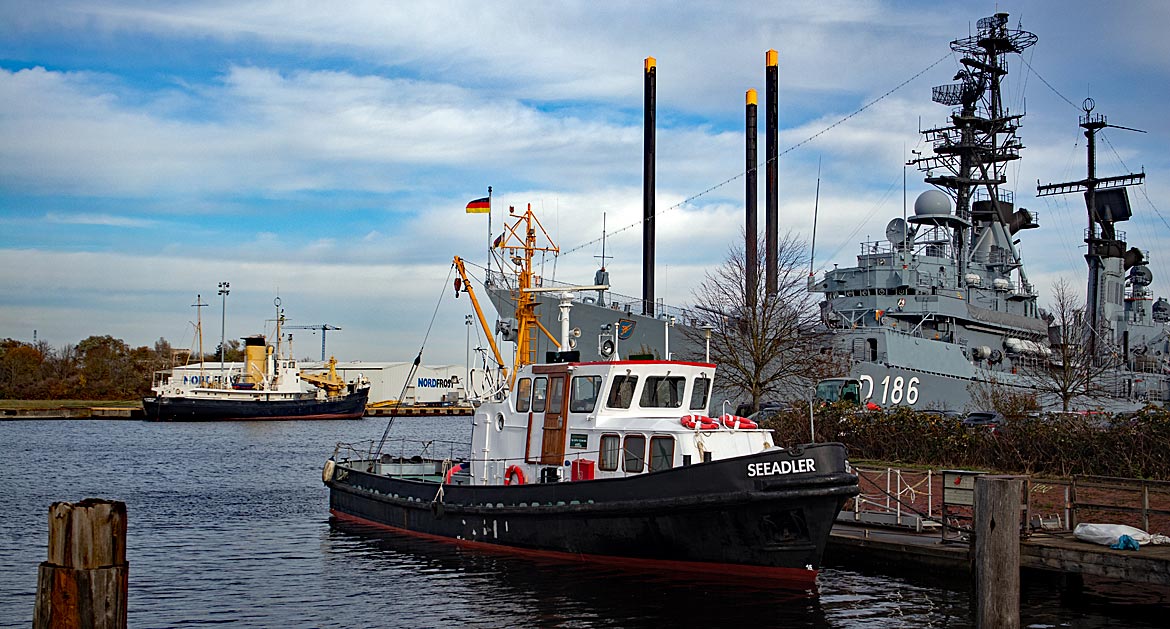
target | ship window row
x=630, y=454
x=658, y=392
x=539, y=394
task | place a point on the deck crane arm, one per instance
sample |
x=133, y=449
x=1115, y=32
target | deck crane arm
x=466, y=286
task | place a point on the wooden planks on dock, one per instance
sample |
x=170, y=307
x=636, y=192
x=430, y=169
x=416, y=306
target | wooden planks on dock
x=852, y=544
x=1062, y=552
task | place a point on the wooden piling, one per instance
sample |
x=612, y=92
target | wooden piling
x=85, y=581
x=997, y=552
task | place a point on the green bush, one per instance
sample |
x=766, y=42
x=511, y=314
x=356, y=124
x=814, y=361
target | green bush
x=1134, y=445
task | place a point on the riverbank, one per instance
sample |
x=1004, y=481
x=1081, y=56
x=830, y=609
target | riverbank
x=14, y=410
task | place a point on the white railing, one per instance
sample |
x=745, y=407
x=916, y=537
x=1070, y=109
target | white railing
x=906, y=501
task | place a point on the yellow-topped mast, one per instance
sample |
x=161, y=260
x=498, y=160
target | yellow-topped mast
x=520, y=242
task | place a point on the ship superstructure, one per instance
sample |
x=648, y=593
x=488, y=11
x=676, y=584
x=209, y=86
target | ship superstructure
x=943, y=306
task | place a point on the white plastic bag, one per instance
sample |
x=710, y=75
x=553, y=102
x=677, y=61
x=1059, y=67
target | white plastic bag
x=1108, y=534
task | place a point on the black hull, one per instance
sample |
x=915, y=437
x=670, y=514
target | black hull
x=711, y=517
x=179, y=409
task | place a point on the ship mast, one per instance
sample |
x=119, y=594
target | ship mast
x=198, y=306
x=973, y=151
x=1107, y=203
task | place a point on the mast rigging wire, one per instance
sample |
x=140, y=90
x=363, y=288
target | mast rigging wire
x=786, y=151
x=414, y=366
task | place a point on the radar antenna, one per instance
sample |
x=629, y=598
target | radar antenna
x=970, y=155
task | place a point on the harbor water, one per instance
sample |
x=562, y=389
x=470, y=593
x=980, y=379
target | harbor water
x=229, y=525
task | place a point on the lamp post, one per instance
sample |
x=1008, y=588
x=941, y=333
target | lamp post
x=223, y=293
x=812, y=430
x=666, y=330
x=707, y=327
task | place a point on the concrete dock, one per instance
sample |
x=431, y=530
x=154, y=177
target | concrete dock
x=73, y=412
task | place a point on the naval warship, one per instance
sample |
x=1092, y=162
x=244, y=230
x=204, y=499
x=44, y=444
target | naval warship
x=940, y=314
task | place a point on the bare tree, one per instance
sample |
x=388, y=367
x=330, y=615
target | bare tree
x=765, y=344
x=1072, y=370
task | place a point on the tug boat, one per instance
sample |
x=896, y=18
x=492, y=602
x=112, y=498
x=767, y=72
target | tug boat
x=613, y=461
x=268, y=386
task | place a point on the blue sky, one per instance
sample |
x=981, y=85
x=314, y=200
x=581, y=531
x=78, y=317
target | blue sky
x=325, y=152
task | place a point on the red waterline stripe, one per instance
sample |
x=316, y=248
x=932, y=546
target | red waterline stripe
x=791, y=577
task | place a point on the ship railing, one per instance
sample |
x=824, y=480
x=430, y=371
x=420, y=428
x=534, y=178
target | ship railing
x=935, y=248
x=1004, y=195
x=401, y=448
x=894, y=497
x=1117, y=235
x=619, y=303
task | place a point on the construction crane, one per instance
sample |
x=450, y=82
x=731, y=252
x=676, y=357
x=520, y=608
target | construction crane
x=318, y=326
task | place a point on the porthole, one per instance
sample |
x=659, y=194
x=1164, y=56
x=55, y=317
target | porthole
x=499, y=421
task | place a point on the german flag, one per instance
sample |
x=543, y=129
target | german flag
x=480, y=206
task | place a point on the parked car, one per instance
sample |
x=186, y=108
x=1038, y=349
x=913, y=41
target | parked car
x=991, y=421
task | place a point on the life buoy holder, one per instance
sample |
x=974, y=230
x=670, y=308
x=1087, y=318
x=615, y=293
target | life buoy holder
x=451, y=472
x=735, y=421
x=702, y=421
x=514, y=475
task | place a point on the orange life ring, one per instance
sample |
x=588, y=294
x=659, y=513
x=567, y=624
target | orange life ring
x=702, y=421
x=735, y=421
x=451, y=472
x=514, y=475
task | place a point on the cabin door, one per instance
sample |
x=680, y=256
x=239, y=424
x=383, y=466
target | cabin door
x=552, y=444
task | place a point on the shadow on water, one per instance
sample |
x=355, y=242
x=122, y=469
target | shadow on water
x=524, y=591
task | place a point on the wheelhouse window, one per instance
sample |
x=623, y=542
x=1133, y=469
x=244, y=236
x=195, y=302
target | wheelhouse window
x=621, y=391
x=699, y=393
x=583, y=394
x=611, y=453
x=523, y=395
x=635, y=454
x=663, y=392
x=661, y=453
x=556, y=395
x=539, y=394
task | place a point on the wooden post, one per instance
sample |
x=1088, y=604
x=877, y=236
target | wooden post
x=84, y=583
x=997, y=552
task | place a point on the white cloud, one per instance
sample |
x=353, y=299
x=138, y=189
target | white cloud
x=328, y=153
x=96, y=219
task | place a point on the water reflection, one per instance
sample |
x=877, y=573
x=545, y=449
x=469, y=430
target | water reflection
x=496, y=589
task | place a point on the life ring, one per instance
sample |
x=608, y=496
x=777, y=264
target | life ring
x=702, y=421
x=451, y=472
x=735, y=421
x=514, y=475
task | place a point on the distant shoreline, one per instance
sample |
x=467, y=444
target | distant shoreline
x=15, y=410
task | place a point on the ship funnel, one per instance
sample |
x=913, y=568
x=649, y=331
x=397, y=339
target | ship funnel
x=751, y=255
x=772, y=141
x=1134, y=257
x=648, y=189
x=255, y=359
x=1022, y=219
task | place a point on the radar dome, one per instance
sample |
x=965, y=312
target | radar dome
x=932, y=203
